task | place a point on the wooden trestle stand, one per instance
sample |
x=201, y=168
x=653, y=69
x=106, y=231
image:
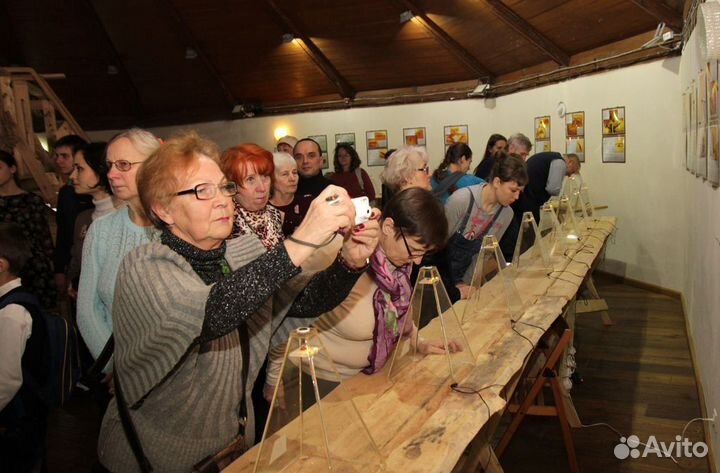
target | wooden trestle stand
x=563, y=408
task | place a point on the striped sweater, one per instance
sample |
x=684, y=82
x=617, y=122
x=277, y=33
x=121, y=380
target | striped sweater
x=185, y=395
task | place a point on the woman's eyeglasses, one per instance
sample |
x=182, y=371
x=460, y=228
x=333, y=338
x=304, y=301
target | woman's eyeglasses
x=425, y=169
x=122, y=165
x=411, y=254
x=207, y=191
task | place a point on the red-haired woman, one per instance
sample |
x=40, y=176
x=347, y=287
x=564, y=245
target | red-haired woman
x=251, y=167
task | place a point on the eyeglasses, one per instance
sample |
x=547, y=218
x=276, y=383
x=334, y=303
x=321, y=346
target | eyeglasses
x=122, y=165
x=425, y=169
x=207, y=191
x=410, y=252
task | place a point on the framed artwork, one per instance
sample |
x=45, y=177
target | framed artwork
x=414, y=136
x=613, y=135
x=455, y=134
x=575, y=134
x=377, y=146
x=686, y=127
x=345, y=138
x=702, y=152
x=692, y=137
x=713, y=139
x=322, y=141
x=542, y=133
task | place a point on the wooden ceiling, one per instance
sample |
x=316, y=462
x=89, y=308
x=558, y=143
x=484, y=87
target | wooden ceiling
x=164, y=62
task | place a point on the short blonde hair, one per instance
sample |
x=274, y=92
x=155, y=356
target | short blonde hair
x=161, y=174
x=399, y=168
x=281, y=159
x=143, y=141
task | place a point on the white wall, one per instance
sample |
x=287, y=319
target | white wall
x=639, y=192
x=700, y=267
x=668, y=227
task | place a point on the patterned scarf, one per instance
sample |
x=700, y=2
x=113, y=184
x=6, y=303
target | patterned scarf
x=266, y=224
x=390, y=302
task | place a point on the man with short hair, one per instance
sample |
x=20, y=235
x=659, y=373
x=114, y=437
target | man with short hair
x=310, y=161
x=69, y=205
x=520, y=145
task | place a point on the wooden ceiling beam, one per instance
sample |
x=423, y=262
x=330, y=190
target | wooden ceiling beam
x=527, y=31
x=447, y=41
x=344, y=88
x=662, y=12
x=131, y=92
x=192, y=42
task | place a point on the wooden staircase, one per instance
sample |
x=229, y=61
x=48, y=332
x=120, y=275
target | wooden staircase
x=31, y=109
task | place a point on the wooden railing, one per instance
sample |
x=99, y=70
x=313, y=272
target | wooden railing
x=23, y=92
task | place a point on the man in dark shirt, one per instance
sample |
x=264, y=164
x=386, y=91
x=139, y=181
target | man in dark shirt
x=69, y=205
x=310, y=161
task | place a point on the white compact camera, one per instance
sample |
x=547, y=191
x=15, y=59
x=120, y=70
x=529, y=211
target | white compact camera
x=362, y=210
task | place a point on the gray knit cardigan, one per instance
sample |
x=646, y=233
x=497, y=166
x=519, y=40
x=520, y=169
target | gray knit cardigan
x=185, y=404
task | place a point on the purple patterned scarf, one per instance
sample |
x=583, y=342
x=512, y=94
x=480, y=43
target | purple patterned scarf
x=390, y=303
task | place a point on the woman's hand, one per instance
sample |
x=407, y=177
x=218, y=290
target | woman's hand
x=269, y=390
x=437, y=347
x=465, y=290
x=360, y=243
x=329, y=213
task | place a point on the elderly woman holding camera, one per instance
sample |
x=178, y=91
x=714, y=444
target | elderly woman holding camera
x=194, y=313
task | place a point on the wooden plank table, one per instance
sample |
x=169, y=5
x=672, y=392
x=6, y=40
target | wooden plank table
x=426, y=428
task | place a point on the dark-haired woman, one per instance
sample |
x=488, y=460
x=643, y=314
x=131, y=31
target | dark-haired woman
x=482, y=210
x=348, y=173
x=30, y=212
x=361, y=333
x=452, y=175
x=496, y=145
x=89, y=178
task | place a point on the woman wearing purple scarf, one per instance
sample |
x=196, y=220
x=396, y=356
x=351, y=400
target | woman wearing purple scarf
x=361, y=333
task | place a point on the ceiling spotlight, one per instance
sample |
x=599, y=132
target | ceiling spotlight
x=406, y=16
x=288, y=37
x=481, y=90
x=190, y=53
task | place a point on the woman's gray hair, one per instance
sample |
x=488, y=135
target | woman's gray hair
x=399, y=167
x=283, y=159
x=142, y=140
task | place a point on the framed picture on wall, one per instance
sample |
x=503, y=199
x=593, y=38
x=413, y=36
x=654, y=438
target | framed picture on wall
x=613, y=135
x=322, y=141
x=377, y=146
x=692, y=137
x=713, y=139
x=455, y=134
x=542, y=133
x=348, y=138
x=701, y=165
x=414, y=136
x=575, y=134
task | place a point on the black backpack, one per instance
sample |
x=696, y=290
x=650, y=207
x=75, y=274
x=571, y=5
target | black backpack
x=54, y=347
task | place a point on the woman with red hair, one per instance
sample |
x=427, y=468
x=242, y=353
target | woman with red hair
x=251, y=167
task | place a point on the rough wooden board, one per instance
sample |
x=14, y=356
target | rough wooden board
x=421, y=428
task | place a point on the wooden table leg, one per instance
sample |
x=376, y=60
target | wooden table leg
x=595, y=304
